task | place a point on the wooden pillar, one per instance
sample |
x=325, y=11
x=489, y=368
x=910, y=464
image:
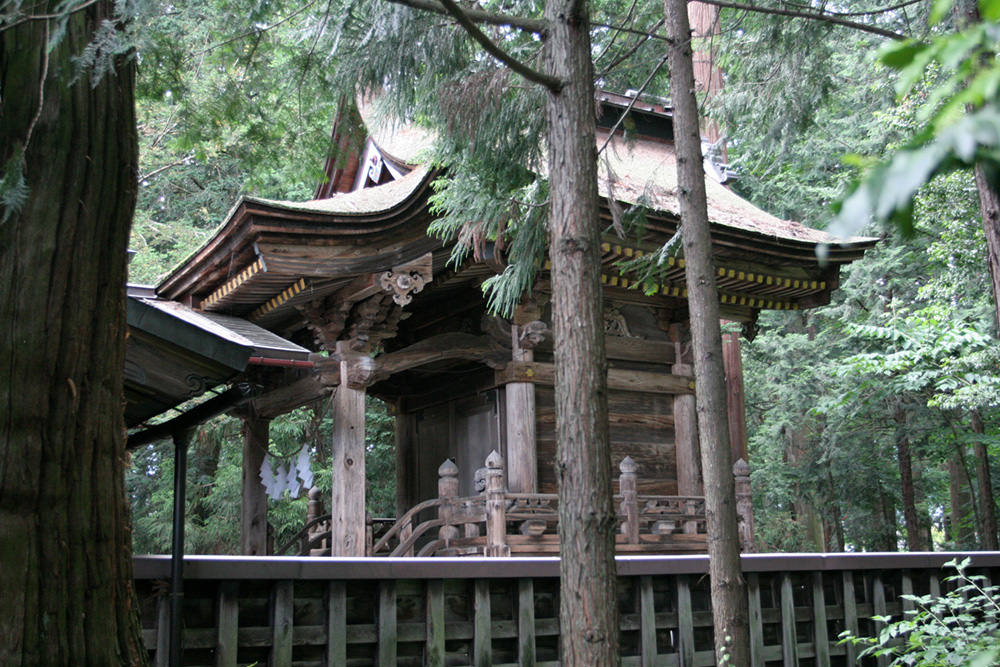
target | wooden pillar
x=496, y=505
x=744, y=505
x=522, y=455
x=347, y=506
x=735, y=403
x=253, y=515
x=630, y=506
x=406, y=462
x=686, y=447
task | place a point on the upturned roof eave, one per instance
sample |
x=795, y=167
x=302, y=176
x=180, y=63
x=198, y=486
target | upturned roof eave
x=234, y=232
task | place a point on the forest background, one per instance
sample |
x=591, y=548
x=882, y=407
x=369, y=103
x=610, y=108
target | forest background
x=873, y=423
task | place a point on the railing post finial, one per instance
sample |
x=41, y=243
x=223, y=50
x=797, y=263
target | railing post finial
x=627, y=485
x=496, y=507
x=744, y=504
x=447, y=491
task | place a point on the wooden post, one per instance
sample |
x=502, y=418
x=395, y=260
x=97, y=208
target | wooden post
x=630, y=504
x=253, y=514
x=732, y=360
x=406, y=462
x=744, y=504
x=282, y=605
x=686, y=448
x=347, y=507
x=447, y=492
x=522, y=456
x=496, y=514
x=686, y=439
x=315, y=510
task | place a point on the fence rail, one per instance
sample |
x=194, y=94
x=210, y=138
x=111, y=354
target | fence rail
x=483, y=611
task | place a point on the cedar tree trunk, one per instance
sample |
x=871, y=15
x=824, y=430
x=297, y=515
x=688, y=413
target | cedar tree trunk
x=587, y=522
x=65, y=547
x=729, y=593
x=987, y=505
x=966, y=13
x=989, y=209
x=914, y=533
x=959, y=485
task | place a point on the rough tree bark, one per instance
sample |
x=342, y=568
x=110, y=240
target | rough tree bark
x=987, y=504
x=66, y=578
x=960, y=497
x=904, y=458
x=966, y=12
x=729, y=594
x=588, y=612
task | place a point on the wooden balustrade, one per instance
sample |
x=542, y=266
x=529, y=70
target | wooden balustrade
x=500, y=523
x=505, y=611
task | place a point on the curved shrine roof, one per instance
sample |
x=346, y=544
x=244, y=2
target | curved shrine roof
x=269, y=255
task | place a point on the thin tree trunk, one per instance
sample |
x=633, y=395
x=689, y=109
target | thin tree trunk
x=588, y=609
x=65, y=548
x=887, y=509
x=987, y=505
x=914, y=535
x=961, y=533
x=836, y=532
x=728, y=589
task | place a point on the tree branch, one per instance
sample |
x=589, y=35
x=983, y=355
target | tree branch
x=163, y=168
x=628, y=53
x=870, y=12
x=537, y=26
x=614, y=128
x=633, y=31
x=816, y=16
x=551, y=82
x=43, y=17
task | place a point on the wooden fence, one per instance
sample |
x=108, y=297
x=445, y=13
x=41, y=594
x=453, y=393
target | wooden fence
x=482, y=611
x=497, y=522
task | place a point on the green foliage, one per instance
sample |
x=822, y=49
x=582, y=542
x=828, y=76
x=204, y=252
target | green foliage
x=797, y=95
x=909, y=329
x=212, y=519
x=931, y=351
x=13, y=187
x=229, y=101
x=961, y=627
x=959, y=121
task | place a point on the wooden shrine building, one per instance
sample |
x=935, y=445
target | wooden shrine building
x=354, y=277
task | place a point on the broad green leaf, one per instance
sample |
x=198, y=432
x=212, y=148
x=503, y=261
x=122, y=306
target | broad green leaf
x=989, y=10
x=939, y=10
x=898, y=55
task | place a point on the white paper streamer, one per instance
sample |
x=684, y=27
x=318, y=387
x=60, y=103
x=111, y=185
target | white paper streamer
x=305, y=470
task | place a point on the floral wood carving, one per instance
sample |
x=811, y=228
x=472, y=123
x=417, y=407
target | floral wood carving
x=615, y=324
x=532, y=333
x=406, y=280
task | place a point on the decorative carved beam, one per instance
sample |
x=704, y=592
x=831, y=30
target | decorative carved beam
x=328, y=317
x=439, y=348
x=436, y=348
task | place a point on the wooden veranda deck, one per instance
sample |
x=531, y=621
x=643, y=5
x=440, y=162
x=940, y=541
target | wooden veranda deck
x=283, y=611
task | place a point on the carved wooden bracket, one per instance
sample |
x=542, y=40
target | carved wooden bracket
x=615, y=323
x=363, y=371
x=531, y=334
x=407, y=279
